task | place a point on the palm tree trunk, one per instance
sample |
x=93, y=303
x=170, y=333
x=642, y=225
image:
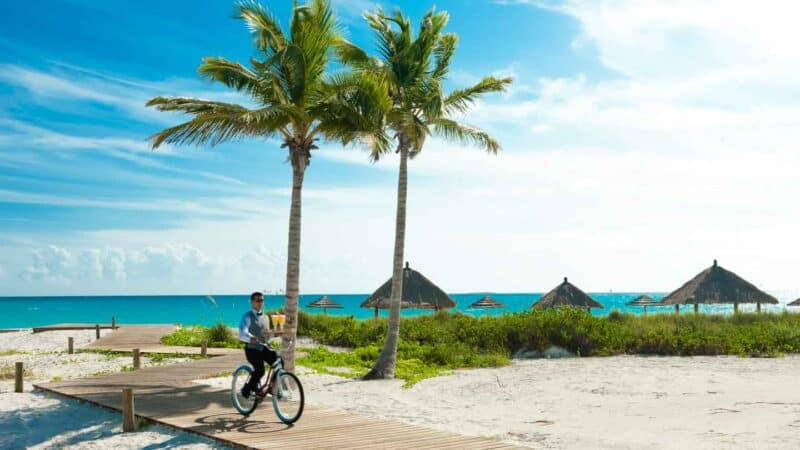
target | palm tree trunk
x=384, y=367
x=293, y=263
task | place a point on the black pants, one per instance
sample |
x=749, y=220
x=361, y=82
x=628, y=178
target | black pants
x=257, y=357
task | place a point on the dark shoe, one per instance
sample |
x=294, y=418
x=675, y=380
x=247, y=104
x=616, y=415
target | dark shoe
x=246, y=392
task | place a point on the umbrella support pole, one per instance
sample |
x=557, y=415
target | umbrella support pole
x=758, y=308
x=696, y=309
x=736, y=308
x=645, y=311
x=677, y=309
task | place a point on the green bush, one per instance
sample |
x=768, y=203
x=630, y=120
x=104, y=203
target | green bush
x=218, y=336
x=454, y=338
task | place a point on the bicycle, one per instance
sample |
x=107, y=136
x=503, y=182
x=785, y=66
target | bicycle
x=284, y=388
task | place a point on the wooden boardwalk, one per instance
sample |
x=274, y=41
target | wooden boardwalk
x=71, y=326
x=167, y=395
x=147, y=338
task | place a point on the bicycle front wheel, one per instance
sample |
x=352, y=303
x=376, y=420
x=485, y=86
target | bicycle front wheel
x=287, y=397
x=245, y=405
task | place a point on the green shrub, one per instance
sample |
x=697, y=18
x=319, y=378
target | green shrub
x=220, y=334
x=454, y=338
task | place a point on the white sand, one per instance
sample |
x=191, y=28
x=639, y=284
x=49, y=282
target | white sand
x=45, y=355
x=39, y=420
x=624, y=402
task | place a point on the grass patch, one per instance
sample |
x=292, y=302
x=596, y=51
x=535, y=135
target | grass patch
x=218, y=336
x=357, y=363
x=433, y=344
x=11, y=352
x=8, y=371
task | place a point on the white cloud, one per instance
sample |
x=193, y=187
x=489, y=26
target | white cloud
x=69, y=83
x=170, y=264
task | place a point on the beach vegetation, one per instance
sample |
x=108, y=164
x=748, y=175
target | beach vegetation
x=411, y=69
x=293, y=97
x=218, y=336
x=460, y=340
x=8, y=371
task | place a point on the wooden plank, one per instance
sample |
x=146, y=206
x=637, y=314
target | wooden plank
x=207, y=411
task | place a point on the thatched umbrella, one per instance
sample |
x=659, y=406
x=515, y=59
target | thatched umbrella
x=795, y=303
x=486, y=303
x=716, y=285
x=418, y=292
x=644, y=301
x=566, y=294
x=324, y=302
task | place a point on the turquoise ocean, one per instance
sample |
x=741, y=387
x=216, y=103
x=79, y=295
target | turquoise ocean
x=23, y=312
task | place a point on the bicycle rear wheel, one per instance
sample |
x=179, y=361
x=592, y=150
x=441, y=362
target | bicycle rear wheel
x=241, y=377
x=287, y=397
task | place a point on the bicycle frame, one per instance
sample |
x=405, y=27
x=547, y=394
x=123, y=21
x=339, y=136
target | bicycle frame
x=273, y=372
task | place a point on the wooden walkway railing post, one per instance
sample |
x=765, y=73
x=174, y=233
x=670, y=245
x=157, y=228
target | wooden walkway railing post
x=113, y=323
x=18, y=377
x=136, y=359
x=70, y=348
x=97, y=331
x=204, y=348
x=128, y=417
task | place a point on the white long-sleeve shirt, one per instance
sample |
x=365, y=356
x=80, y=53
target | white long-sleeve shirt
x=244, y=327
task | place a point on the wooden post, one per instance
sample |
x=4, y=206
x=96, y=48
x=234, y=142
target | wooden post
x=113, y=323
x=70, y=349
x=136, y=361
x=376, y=312
x=204, y=348
x=696, y=309
x=736, y=308
x=18, y=377
x=97, y=331
x=758, y=307
x=128, y=418
x=677, y=309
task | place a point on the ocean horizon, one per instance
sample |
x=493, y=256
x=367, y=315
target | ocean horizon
x=26, y=312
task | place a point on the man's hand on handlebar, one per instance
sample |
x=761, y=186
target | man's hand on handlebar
x=253, y=340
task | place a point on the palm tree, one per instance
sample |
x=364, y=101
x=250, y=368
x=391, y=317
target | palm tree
x=295, y=100
x=412, y=70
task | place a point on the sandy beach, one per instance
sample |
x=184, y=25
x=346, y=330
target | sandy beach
x=625, y=402
x=51, y=421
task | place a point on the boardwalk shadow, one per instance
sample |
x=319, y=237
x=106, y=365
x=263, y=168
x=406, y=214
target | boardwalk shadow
x=221, y=423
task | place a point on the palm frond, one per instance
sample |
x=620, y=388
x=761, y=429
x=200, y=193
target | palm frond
x=460, y=100
x=443, y=53
x=231, y=74
x=269, y=37
x=210, y=129
x=195, y=106
x=454, y=131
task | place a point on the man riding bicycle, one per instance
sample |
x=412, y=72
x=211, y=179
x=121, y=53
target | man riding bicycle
x=252, y=332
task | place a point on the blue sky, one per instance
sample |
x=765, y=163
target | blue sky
x=639, y=144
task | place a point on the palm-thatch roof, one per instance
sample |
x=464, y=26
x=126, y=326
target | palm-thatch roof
x=324, y=302
x=566, y=294
x=643, y=300
x=418, y=292
x=487, y=302
x=795, y=303
x=716, y=285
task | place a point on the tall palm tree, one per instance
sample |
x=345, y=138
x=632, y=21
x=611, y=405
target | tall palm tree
x=412, y=70
x=295, y=100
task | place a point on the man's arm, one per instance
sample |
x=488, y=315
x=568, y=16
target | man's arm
x=244, y=330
